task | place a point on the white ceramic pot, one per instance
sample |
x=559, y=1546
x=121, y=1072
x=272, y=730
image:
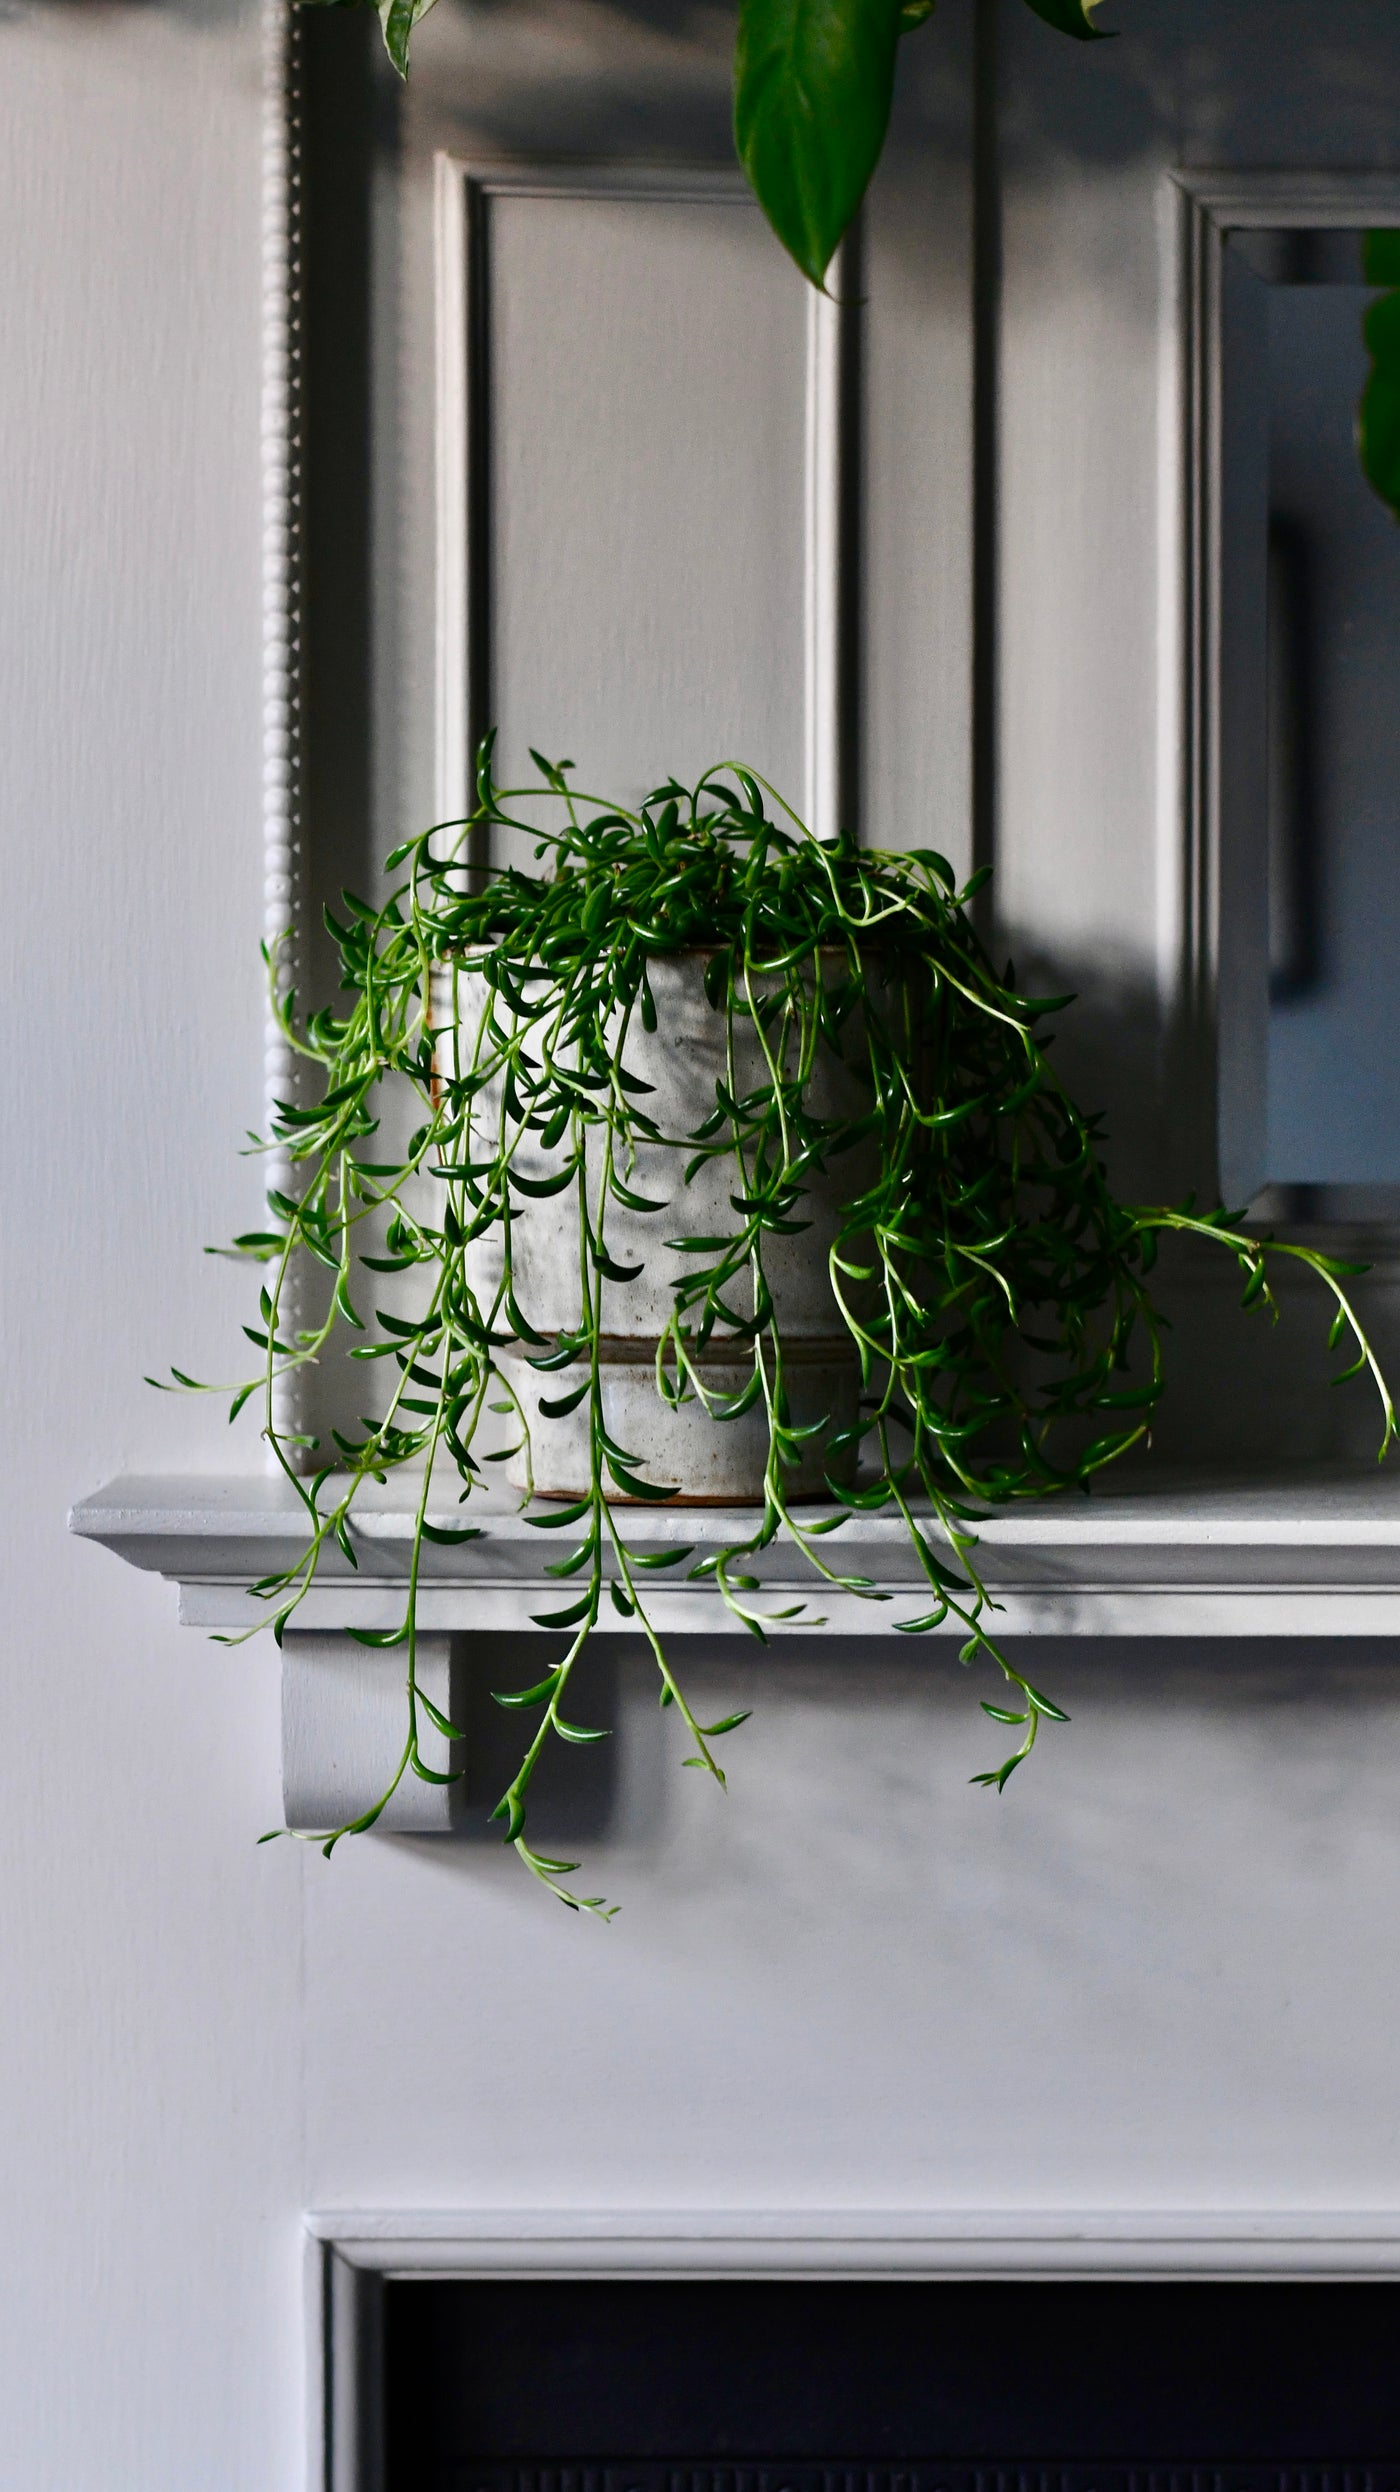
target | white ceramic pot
x=703, y=1461
x=700, y=1459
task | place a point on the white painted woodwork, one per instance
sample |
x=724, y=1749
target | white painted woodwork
x=1161, y=1556
x=355, y=2251
x=698, y=497
x=831, y=583
x=150, y=2049
x=642, y=393
x=841, y=2241
x=1124, y=857
x=1224, y=313
x=344, y=1726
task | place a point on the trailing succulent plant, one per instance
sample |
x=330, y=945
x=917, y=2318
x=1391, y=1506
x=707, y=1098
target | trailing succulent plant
x=995, y=1293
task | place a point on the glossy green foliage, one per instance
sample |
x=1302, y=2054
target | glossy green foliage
x=1072, y=17
x=1378, y=420
x=994, y=1291
x=397, y=20
x=813, y=82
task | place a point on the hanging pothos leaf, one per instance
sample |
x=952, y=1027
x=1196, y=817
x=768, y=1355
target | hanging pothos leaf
x=396, y=17
x=1378, y=418
x=813, y=81
x=1072, y=17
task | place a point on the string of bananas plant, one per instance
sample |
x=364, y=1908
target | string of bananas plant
x=994, y=1292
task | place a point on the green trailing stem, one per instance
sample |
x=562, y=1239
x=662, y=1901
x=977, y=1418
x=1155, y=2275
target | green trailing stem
x=995, y=1292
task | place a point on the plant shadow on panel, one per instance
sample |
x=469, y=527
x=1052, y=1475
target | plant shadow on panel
x=739, y=1180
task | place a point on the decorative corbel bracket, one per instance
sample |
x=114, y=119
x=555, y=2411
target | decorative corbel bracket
x=1276, y=1557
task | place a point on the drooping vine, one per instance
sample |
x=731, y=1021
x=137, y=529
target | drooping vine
x=994, y=1291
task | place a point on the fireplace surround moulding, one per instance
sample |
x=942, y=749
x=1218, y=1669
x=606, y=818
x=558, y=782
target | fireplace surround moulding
x=354, y=2254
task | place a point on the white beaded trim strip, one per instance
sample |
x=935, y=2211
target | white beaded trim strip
x=281, y=617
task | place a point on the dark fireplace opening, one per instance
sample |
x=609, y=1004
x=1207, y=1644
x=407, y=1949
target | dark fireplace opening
x=715, y=2386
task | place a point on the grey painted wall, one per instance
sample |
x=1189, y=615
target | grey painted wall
x=150, y=2048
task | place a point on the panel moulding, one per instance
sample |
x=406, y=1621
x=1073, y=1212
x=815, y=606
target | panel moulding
x=1213, y=942
x=1008, y=2242
x=283, y=896
x=354, y=2252
x=464, y=192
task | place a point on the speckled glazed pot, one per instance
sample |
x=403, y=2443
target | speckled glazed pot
x=701, y=1460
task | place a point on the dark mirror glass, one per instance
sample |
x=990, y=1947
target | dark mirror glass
x=1332, y=709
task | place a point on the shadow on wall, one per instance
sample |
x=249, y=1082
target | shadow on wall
x=1184, y=72
x=1243, y=1387
x=1169, y=1739
x=648, y=77
x=575, y=1788
x=1263, y=82
x=651, y=78
x=1119, y=1056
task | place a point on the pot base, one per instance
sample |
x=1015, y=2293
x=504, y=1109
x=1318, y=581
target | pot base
x=701, y=1461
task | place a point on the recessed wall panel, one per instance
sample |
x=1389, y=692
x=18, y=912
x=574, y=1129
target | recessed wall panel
x=645, y=374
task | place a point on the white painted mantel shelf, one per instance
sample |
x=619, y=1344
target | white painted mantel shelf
x=1287, y=1555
